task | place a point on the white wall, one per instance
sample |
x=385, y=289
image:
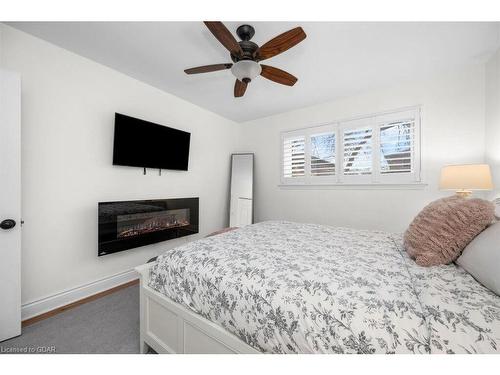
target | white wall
x=68, y=106
x=493, y=119
x=453, y=132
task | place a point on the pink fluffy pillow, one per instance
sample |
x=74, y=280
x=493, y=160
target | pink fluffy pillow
x=444, y=227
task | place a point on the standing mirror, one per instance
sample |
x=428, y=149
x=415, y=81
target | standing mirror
x=241, y=201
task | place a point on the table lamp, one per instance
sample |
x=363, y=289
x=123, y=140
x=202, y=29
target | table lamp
x=466, y=178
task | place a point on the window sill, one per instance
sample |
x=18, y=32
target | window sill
x=347, y=186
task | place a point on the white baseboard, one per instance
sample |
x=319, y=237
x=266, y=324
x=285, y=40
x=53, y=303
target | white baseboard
x=43, y=305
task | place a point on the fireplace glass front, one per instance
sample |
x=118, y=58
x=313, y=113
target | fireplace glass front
x=138, y=224
x=124, y=225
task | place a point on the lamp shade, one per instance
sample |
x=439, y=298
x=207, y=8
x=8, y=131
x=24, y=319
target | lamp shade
x=246, y=69
x=466, y=177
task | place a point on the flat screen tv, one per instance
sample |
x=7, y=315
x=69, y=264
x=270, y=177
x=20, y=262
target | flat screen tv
x=140, y=143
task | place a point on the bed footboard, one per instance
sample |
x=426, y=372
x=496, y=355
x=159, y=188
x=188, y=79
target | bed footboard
x=168, y=327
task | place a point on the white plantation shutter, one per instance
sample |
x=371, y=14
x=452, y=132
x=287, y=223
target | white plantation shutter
x=323, y=154
x=357, y=151
x=294, y=159
x=399, y=146
x=377, y=149
x=397, y=141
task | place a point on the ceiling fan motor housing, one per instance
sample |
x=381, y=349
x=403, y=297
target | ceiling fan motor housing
x=249, y=49
x=246, y=32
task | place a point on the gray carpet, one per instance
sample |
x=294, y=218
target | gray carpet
x=107, y=325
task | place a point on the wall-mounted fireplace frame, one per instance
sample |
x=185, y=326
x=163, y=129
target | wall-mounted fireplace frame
x=124, y=225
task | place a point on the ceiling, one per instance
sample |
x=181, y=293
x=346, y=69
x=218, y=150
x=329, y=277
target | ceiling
x=336, y=60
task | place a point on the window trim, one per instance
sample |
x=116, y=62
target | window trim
x=375, y=121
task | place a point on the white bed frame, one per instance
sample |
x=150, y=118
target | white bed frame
x=168, y=327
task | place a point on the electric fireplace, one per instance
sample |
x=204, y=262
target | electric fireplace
x=129, y=224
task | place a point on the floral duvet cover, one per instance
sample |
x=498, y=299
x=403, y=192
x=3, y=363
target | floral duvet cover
x=285, y=287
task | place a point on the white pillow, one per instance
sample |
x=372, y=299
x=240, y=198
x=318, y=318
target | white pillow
x=481, y=258
x=496, y=202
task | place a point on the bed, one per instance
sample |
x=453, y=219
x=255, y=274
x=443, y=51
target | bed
x=284, y=287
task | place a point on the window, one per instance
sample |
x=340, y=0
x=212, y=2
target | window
x=323, y=154
x=377, y=149
x=396, y=147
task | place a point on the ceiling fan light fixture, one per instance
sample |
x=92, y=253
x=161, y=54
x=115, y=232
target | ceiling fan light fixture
x=246, y=69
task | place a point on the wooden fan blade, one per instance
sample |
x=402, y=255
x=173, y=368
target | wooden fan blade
x=224, y=36
x=277, y=75
x=207, y=68
x=281, y=43
x=239, y=88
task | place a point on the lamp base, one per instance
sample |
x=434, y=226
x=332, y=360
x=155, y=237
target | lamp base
x=463, y=193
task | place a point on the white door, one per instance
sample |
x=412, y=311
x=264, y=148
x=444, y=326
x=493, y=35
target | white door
x=10, y=205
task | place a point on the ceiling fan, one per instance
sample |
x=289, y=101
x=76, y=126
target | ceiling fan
x=246, y=55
